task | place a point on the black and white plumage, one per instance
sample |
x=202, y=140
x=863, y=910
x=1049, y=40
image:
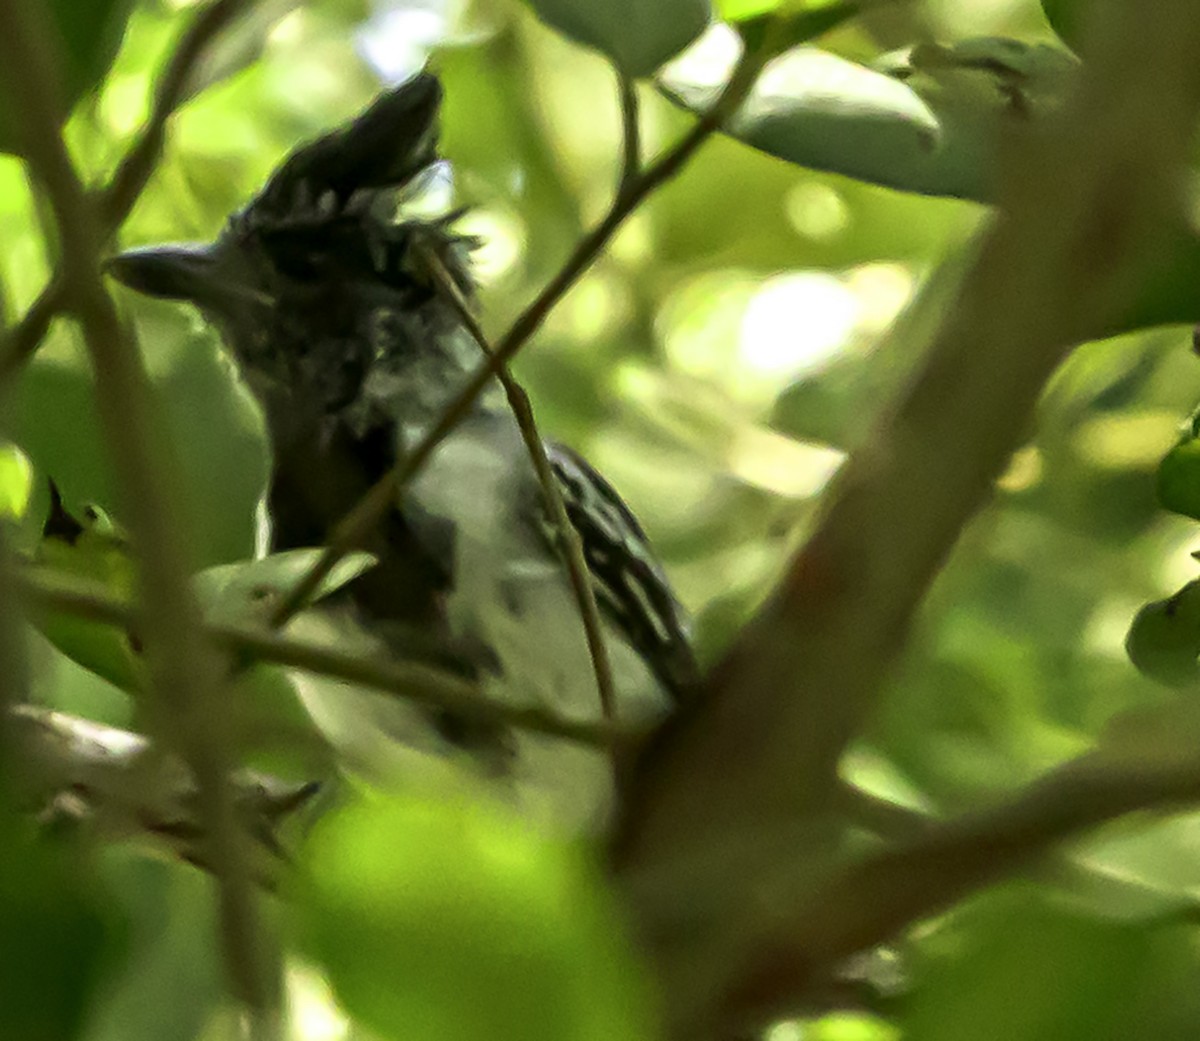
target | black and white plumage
x=343, y=336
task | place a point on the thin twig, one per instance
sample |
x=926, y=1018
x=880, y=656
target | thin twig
x=185, y=667
x=631, y=133
x=133, y=172
x=354, y=527
x=139, y=162
x=577, y=569
x=49, y=591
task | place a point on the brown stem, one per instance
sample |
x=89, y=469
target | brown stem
x=46, y=590
x=118, y=197
x=186, y=671
x=1085, y=196
x=577, y=569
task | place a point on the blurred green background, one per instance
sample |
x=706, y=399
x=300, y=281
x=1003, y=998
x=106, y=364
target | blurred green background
x=738, y=338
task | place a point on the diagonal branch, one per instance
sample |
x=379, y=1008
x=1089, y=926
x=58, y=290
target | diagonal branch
x=187, y=672
x=631, y=133
x=868, y=902
x=118, y=197
x=577, y=569
x=1085, y=197
x=172, y=90
x=380, y=498
x=47, y=591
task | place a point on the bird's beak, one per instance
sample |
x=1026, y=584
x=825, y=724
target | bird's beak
x=180, y=272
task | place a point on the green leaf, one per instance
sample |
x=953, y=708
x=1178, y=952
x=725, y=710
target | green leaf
x=249, y=588
x=793, y=24
x=741, y=10
x=1024, y=967
x=1177, y=482
x=637, y=36
x=89, y=34
x=53, y=936
x=172, y=981
x=1164, y=639
x=928, y=120
x=99, y=556
x=215, y=429
x=450, y=919
x=1168, y=292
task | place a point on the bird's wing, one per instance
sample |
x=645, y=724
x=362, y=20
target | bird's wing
x=630, y=583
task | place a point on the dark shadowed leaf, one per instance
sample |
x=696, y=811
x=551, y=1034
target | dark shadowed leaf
x=89, y=34
x=1066, y=17
x=637, y=36
x=53, y=935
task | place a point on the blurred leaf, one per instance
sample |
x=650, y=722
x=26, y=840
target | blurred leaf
x=1164, y=639
x=850, y=1026
x=929, y=124
x=1170, y=291
x=235, y=592
x=215, y=429
x=171, y=981
x=53, y=935
x=239, y=46
x=89, y=36
x=741, y=10
x=1020, y=967
x=1178, y=477
x=94, y=552
x=449, y=919
x=275, y=729
x=638, y=37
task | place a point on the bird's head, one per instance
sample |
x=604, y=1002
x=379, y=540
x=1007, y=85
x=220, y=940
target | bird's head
x=298, y=280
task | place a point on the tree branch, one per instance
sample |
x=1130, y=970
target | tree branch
x=118, y=197
x=631, y=133
x=577, y=569
x=382, y=496
x=114, y=785
x=1085, y=196
x=186, y=672
x=46, y=591
x=868, y=902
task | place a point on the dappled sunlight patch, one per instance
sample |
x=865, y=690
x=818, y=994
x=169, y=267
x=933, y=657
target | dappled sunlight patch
x=816, y=210
x=313, y=1011
x=782, y=465
x=795, y=323
x=1129, y=440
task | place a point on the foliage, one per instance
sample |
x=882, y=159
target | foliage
x=748, y=324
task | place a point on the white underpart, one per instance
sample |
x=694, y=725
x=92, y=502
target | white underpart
x=513, y=596
x=510, y=595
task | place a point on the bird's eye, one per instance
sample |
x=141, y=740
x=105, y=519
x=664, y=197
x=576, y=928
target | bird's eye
x=298, y=253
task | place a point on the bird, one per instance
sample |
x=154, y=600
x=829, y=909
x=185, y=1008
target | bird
x=322, y=293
